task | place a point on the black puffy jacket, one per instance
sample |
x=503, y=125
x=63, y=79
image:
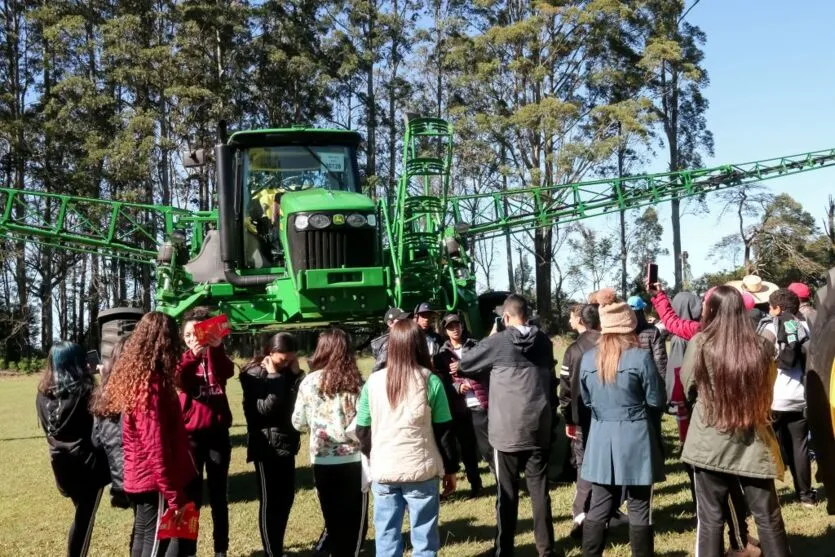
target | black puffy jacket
x=268, y=407
x=650, y=338
x=107, y=435
x=68, y=425
x=379, y=349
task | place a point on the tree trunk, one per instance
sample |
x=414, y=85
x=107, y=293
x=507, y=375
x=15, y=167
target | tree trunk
x=94, y=299
x=623, y=255
x=543, y=250
x=79, y=323
x=675, y=203
x=370, y=100
x=508, y=248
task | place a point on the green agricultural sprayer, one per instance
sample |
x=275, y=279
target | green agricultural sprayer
x=295, y=243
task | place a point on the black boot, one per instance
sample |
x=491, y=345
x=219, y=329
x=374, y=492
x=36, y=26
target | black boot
x=594, y=536
x=642, y=540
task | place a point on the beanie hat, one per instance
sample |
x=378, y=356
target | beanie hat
x=801, y=290
x=615, y=317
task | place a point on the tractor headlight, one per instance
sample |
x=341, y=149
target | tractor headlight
x=320, y=221
x=371, y=220
x=356, y=220
x=302, y=222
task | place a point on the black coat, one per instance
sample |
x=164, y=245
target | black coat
x=379, y=349
x=107, y=436
x=268, y=407
x=572, y=408
x=76, y=462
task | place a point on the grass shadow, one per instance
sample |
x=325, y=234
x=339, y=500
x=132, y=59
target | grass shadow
x=819, y=546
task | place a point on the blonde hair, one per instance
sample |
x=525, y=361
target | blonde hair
x=611, y=346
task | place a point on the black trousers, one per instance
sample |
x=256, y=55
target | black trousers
x=582, y=491
x=793, y=434
x=509, y=467
x=734, y=511
x=344, y=506
x=606, y=498
x=81, y=530
x=276, y=477
x=478, y=417
x=712, y=490
x=212, y=452
x=148, y=509
x=465, y=434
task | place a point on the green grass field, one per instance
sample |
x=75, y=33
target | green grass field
x=34, y=518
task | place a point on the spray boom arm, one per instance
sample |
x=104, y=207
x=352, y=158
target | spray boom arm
x=117, y=229
x=492, y=214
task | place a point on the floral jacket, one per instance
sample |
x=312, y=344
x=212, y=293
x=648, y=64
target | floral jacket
x=327, y=419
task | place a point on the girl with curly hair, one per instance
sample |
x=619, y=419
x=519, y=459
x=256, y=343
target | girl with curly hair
x=326, y=405
x=158, y=465
x=270, y=383
x=80, y=470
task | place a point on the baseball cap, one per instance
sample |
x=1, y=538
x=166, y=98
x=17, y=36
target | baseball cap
x=636, y=302
x=449, y=319
x=397, y=314
x=801, y=290
x=423, y=307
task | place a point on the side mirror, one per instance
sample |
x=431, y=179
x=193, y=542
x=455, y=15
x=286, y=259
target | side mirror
x=194, y=159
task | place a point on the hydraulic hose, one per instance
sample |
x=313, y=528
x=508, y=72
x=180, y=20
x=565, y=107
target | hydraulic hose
x=235, y=279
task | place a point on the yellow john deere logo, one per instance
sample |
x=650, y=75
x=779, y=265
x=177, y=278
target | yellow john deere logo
x=339, y=219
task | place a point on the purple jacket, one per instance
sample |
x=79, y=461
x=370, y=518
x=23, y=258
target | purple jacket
x=480, y=383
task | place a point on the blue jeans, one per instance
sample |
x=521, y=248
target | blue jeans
x=424, y=504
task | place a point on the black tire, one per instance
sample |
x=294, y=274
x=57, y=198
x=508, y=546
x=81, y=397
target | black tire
x=114, y=324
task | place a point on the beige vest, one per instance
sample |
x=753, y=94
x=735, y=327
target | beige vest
x=403, y=447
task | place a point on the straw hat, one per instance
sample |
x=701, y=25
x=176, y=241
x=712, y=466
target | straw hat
x=755, y=286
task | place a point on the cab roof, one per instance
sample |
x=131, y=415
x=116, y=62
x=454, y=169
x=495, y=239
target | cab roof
x=294, y=136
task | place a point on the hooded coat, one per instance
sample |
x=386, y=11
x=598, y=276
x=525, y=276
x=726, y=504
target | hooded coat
x=76, y=463
x=523, y=387
x=688, y=307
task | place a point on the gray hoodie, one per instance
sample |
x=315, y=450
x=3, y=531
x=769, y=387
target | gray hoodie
x=687, y=306
x=523, y=387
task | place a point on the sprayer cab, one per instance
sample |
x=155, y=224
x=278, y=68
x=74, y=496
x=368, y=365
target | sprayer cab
x=293, y=220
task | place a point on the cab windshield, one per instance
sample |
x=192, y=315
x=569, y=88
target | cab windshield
x=298, y=167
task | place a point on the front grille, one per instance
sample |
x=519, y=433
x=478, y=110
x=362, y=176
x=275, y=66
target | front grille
x=332, y=248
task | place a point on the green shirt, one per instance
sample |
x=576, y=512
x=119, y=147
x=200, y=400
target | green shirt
x=438, y=403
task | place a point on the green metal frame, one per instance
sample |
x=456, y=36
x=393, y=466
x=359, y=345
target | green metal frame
x=545, y=206
x=109, y=228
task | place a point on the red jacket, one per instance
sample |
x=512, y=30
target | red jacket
x=202, y=383
x=156, y=448
x=676, y=325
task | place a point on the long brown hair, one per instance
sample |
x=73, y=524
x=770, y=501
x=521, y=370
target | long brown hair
x=610, y=347
x=407, y=351
x=338, y=363
x=738, y=361
x=150, y=354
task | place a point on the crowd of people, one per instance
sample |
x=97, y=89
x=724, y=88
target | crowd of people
x=156, y=424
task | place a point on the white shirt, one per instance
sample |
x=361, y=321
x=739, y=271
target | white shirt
x=789, y=393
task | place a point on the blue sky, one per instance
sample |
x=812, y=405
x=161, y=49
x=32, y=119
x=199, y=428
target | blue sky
x=771, y=93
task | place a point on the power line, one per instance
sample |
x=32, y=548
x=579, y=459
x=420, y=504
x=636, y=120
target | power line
x=693, y=5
